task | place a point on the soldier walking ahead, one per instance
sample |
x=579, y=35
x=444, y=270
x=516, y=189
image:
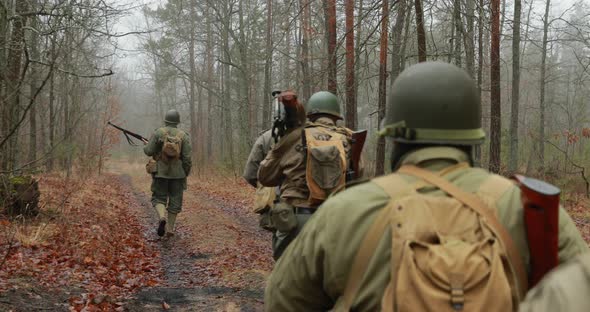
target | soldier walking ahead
x=309, y=162
x=437, y=235
x=170, y=149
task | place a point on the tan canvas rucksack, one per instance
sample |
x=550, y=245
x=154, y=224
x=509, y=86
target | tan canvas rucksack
x=171, y=145
x=326, y=164
x=448, y=253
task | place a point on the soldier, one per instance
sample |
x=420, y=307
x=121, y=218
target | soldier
x=567, y=288
x=385, y=244
x=170, y=149
x=261, y=147
x=265, y=196
x=294, y=164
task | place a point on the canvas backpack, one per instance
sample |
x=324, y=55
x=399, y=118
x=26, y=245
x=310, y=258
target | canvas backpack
x=448, y=253
x=171, y=145
x=326, y=163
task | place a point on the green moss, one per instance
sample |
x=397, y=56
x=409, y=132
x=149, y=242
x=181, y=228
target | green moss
x=20, y=180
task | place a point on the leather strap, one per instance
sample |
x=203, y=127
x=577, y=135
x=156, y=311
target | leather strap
x=479, y=207
x=394, y=186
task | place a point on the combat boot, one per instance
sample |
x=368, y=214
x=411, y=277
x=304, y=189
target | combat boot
x=170, y=224
x=161, y=209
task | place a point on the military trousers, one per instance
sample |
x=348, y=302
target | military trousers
x=168, y=192
x=280, y=240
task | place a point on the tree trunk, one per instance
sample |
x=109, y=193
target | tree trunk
x=267, y=67
x=210, y=83
x=458, y=31
x=330, y=13
x=542, y=90
x=513, y=162
x=195, y=125
x=13, y=79
x=495, y=101
x=350, y=72
x=305, y=60
x=34, y=85
x=480, y=27
x=379, y=162
x=469, y=39
x=286, y=68
x=52, y=116
x=226, y=107
x=420, y=31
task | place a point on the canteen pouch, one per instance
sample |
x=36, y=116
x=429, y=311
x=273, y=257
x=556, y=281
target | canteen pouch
x=264, y=220
x=152, y=166
x=282, y=216
x=264, y=198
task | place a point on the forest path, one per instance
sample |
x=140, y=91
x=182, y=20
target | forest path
x=219, y=258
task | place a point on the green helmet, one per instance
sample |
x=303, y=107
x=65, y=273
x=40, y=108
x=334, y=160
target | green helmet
x=323, y=102
x=172, y=117
x=434, y=103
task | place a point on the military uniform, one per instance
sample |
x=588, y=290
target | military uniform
x=433, y=117
x=313, y=271
x=285, y=164
x=259, y=151
x=265, y=196
x=169, y=179
x=567, y=288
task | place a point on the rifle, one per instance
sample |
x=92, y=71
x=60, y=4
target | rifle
x=128, y=133
x=358, y=142
x=278, y=126
x=541, y=217
x=289, y=113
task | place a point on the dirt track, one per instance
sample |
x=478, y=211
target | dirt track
x=218, y=259
x=102, y=252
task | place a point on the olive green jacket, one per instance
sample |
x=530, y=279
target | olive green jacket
x=565, y=289
x=312, y=273
x=285, y=164
x=174, y=169
x=261, y=147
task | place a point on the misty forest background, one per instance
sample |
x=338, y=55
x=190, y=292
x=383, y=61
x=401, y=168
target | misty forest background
x=69, y=66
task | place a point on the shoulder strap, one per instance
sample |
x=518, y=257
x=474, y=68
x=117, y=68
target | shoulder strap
x=395, y=186
x=479, y=207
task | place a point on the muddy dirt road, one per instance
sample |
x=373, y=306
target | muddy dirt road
x=94, y=247
x=219, y=258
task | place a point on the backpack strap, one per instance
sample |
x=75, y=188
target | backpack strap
x=477, y=205
x=395, y=186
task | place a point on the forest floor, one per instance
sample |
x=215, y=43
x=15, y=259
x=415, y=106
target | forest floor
x=94, y=247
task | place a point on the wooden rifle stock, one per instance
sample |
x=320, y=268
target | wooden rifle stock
x=358, y=142
x=541, y=213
